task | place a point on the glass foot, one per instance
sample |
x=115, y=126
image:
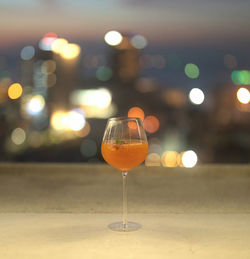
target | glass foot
x=118, y=226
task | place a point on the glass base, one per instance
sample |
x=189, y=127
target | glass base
x=118, y=226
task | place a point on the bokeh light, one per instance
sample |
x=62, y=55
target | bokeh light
x=47, y=40
x=58, y=45
x=18, y=136
x=113, y=38
x=125, y=44
x=169, y=159
x=103, y=73
x=196, y=96
x=15, y=91
x=153, y=159
x=85, y=131
x=243, y=95
x=59, y=120
x=76, y=120
x=139, y=42
x=48, y=67
x=70, y=51
x=189, y=158
x=35, y=105
x=151, y=124
x=100, y=98
x=73, y=120
x=192, y=71
x=136, y=112
x=51, y=80
x=88, y=148
x=27, y=53
x=241, y=77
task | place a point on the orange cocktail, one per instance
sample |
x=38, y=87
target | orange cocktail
x=124, y=146
x=123, y=154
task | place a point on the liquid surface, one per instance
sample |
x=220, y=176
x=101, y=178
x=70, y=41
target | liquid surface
x=125, y=155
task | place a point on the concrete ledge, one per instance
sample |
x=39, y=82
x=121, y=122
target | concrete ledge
x=75, y=236
x=92, y=188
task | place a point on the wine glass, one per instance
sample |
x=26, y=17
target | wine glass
x=124, y=146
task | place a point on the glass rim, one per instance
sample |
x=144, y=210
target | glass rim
x=123, y=118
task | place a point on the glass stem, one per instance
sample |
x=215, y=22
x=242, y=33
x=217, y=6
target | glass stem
x=124, y=201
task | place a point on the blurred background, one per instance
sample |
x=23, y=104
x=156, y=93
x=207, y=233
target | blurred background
x=182, y=66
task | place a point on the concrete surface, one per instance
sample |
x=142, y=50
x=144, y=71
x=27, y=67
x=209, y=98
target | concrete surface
x=62, y=211
x=171, y=236
x=97, y=189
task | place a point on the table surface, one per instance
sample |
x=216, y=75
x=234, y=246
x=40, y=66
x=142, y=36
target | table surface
x=62, y=211
x=74, y=236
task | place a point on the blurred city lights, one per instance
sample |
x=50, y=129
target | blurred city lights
x=152, y=61
x=51, y=80
x=35, y=139
x=93, y=61
x=125, y=44
x=85, y=131
x=15, y=91
x=169, y=159
x=18, y=136
x=174, y=97
x=113, y=38
x=196, y=96
x=58, y=44
x=179, y=159
x=192, y=71
x=146, y=85
x=103, y=73
x=27, y=53
x=154, y=148
x=151, y=124
x=49, y=35
x=146, y=61
x=59, y=120
x=97, y=112
x=100, y=98
x=70, y=51
x=243, y=95
x=241, y=77
x=76, y=120
x=73, y=120
x=35, y=105
x=139, y=42
x=136, y=112
x=4, y=85
x=153, y=159
x=230, y=61
x=189, y=159
x=46, y=42
x=48, y=67
x=88, y=148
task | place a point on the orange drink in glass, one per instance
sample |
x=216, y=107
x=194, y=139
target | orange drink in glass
x=124, y=147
